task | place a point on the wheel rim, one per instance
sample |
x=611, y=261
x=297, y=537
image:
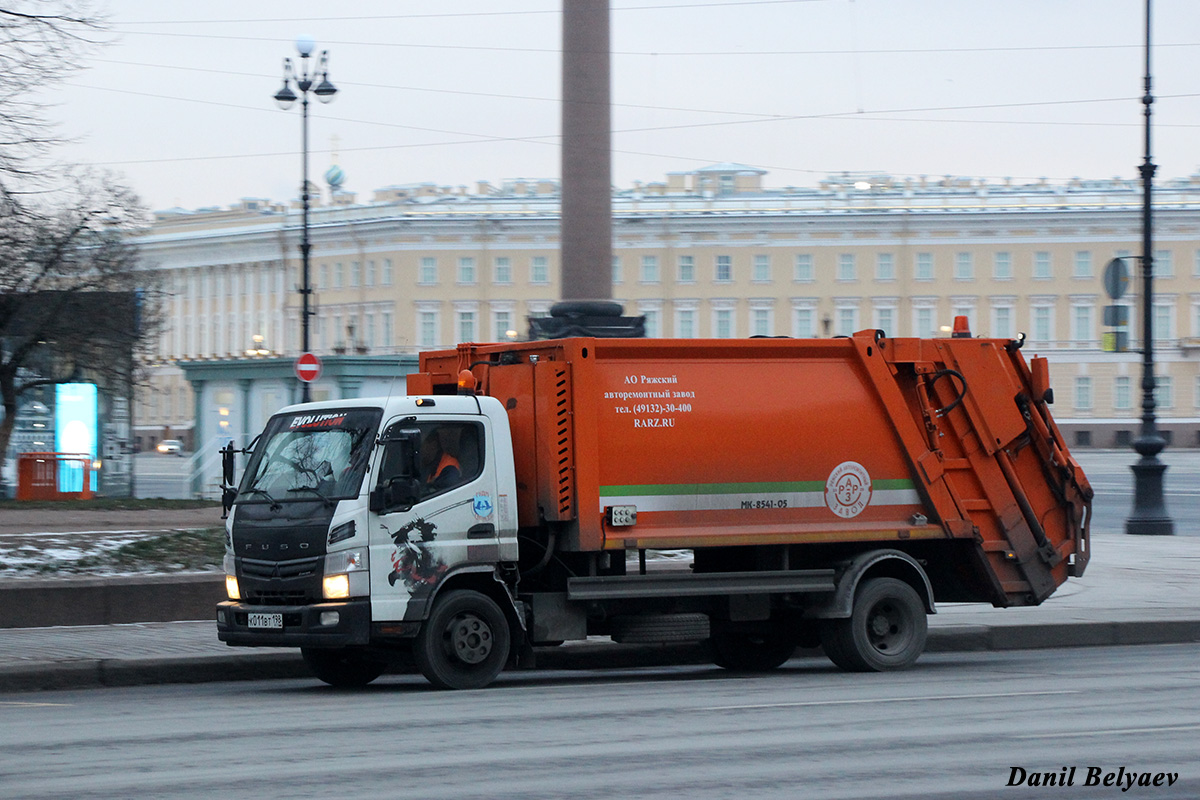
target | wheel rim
x=469, y=638
x=888, y=630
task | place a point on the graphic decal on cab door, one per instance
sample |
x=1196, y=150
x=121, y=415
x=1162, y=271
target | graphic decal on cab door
x=412, y=560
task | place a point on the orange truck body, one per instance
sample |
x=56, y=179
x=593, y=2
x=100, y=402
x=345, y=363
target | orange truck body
x=944, y=449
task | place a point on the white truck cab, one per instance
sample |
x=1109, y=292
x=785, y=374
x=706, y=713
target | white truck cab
x=353, y=516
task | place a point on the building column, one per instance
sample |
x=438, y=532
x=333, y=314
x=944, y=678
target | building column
x=198, y=435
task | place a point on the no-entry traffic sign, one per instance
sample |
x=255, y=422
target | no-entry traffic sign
x=307, y=367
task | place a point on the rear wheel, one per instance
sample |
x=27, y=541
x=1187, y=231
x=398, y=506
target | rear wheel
x=343, y=666
x=464, y=643
x=751, y=651
x=885, y=631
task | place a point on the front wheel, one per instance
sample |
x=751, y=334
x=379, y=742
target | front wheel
x=885, y=631
x=344, y=667
x=464, y=643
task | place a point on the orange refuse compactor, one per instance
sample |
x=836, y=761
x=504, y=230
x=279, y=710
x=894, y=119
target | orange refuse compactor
x=942, y=448
x=798, y=492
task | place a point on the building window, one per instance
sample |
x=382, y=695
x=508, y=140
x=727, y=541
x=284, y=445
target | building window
x=804, y=323
x=466, y=272
x=685, y=323
x=885, y=320
x=387, y=272
x=466, y=326
x=355, y=274
x=1122, y=393
x=724, y=269
x=504, y=324
x=923, y=321
x=964, y=267
x=923, y=267
x=1081, y=325
x=885, y=267
x=616, y=269
x=1164, y=264
x=371, y=275
x=804, y=268
x=651, y=323
x=723, y=323
x=503, y=271
x=687, y=269
x=1083, y=264
x=386, y=324
x=1002, y=266
x=428, y=272
x=1196, y=264
x=1163, y=321
x=339, y=275
x=539, y=270
x=1042, y=324
x=762, y=269
x=846, y=267
x=1083, y=393
x=322, y=278
x=1164, y=392
x=760, y=322
x=847, y=320
x=649, y=269
x=1002, y=326
x=427, y=323
x=1042, y=269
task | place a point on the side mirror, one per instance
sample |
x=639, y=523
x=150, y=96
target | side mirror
x=228, y=495
x=398, y=494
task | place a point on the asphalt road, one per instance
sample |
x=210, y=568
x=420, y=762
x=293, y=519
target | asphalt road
x=954, y=727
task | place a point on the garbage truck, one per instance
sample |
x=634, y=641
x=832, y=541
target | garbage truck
x=754, y=495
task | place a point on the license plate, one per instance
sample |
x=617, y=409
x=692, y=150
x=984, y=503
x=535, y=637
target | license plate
x=266, y=621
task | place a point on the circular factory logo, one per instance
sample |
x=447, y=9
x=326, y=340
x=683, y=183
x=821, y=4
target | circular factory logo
x=848, y=489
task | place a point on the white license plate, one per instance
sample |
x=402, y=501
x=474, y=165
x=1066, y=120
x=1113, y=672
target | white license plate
x=266, y=621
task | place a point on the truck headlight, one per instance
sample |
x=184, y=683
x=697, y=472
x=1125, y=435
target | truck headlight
x=346, y=575
x=231, y=582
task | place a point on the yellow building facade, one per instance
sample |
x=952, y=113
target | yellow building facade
x=709, y=253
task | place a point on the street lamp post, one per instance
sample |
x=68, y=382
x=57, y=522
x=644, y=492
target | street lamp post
x=285, y=97
x=1149, y=515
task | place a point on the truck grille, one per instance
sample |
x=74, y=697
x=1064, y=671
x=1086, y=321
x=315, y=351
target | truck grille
x=297, y=568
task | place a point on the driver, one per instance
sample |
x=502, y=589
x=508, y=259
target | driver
x=439, y=460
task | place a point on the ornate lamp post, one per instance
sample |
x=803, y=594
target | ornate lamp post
x=1149, y=515
x=304, y=78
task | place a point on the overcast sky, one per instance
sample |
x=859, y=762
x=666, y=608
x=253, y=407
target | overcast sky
x=458, y=91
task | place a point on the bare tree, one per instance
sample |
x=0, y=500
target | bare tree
x=73, y=303
x=41, y=42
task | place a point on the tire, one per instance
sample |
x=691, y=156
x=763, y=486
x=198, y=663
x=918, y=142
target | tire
x=750, y=650
x=885, y=631
x=464, y=644
x=660, y=628
x=343, y=667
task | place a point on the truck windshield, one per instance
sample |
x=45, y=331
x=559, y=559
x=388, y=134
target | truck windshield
x=311, y=455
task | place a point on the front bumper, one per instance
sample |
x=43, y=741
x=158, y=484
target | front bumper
x=301, y=625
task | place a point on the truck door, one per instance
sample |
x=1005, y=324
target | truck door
x=433, y=510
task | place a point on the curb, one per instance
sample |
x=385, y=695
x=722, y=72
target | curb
x=101, y=673
x=47, y=603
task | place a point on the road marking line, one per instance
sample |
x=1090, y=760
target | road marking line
x=1113, y=732
x=811, y=703
x=18, y=704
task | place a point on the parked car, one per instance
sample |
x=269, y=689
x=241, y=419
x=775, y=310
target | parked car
x=170, y=446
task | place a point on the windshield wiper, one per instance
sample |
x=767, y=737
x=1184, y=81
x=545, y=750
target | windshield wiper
x=275, y=505
x=328, y=503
